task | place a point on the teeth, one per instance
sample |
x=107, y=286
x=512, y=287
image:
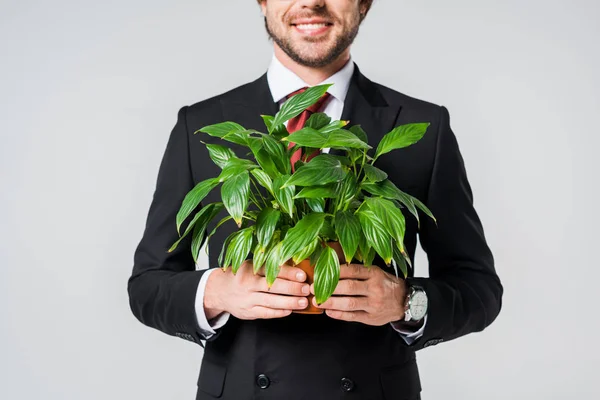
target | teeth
x=311, y=26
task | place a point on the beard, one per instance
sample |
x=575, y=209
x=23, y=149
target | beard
x=342, y=42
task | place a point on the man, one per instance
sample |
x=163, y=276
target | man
x=364, y=346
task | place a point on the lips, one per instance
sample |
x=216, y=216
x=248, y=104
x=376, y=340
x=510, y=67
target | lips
x=311, y=21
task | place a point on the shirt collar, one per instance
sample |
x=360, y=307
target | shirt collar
x=282, y=81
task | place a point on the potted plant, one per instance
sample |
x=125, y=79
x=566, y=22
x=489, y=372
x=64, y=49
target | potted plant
x=302, y=215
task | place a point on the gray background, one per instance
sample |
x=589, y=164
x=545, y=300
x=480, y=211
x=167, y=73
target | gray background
x=89, y=92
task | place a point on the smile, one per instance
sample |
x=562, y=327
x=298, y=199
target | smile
x=312, y=29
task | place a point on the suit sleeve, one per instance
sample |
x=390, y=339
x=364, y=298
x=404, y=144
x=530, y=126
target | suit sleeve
x=162, y=287
x=463, y=289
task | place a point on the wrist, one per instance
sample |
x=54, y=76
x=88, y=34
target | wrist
x=213, y=306
x=403, y=295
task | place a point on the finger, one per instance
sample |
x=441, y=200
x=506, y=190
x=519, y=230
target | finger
x=352, y=303
x=288, y=272
x=283, y=286
x=355, y=271
x=352, y=287
x=292, y=273
x=280, y=301
x=267, y=313
x=351, y=316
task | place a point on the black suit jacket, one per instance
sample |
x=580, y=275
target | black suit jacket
x=307, y=356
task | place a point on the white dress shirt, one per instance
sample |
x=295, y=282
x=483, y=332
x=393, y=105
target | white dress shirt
x=282, y=82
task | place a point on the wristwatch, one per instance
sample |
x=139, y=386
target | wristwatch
x=415, y=307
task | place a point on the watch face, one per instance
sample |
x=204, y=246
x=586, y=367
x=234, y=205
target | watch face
x=418, y=305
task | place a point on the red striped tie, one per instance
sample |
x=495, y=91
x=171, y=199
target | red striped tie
x=298, y=122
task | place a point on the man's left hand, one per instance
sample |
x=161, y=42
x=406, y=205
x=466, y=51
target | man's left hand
x=367, y=295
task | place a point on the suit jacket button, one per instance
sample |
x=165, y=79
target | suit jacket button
x=347, y=384
x=263, y=381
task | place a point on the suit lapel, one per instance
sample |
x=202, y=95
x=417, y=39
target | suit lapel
x=365, y=106
x=248, y=104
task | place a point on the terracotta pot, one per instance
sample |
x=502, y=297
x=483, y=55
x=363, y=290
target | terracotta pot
x=310, y=274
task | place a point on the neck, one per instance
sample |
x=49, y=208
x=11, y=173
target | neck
x=310, y=75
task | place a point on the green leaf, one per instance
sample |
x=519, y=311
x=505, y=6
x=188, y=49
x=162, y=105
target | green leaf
x=221, y=129
x=327, y=232
x=327, y=274
x=266, y=163
x=346, y=190
x=321, y=170
x=273, y=263
x=307, y=137
x=374, y=174
x=239, y=247
x=332, y=126
x=200, y=230
x=316, y=254
x=225, y=262
x=299, y=102
x=359, y=132
x=201, y=219
x=305, y=252
x=284, y=196
x=385, y=189
x=234, y=167
x=376, y=234
x=311, y=192
x=265, y=225
x=316, y=204
x=363, y=246
x=391, y=217
x=342, y=138
x=390, y=191
x=347, y=227
x=343, y=159
x=368, y=259
x=255, y=144
x=401, y=136
x=268, y=120
x=423, y=208
x=399, y=262
x=238, y=137
x=279, y=131
x=318, y=120
x=263, y=179
x=193, y=198
x=303, y=233
x=219, y=154
x=197, y=239
x=278, y=153
x=221, y=222
x=260, y=254
x=235, y=192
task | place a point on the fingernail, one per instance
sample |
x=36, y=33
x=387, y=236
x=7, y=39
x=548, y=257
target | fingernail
x=303, y=302
x=305, y=289
x=300, y=276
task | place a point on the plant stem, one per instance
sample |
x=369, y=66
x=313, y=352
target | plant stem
x=253, y=200
x=362, y=164
x=259, y=193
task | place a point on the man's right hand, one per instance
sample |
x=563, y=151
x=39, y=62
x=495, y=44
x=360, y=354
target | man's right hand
x=246, y=295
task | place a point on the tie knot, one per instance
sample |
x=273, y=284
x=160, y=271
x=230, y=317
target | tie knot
x=315, y=107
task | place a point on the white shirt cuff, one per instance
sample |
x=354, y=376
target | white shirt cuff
x=408, y=336
x=208, y=328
